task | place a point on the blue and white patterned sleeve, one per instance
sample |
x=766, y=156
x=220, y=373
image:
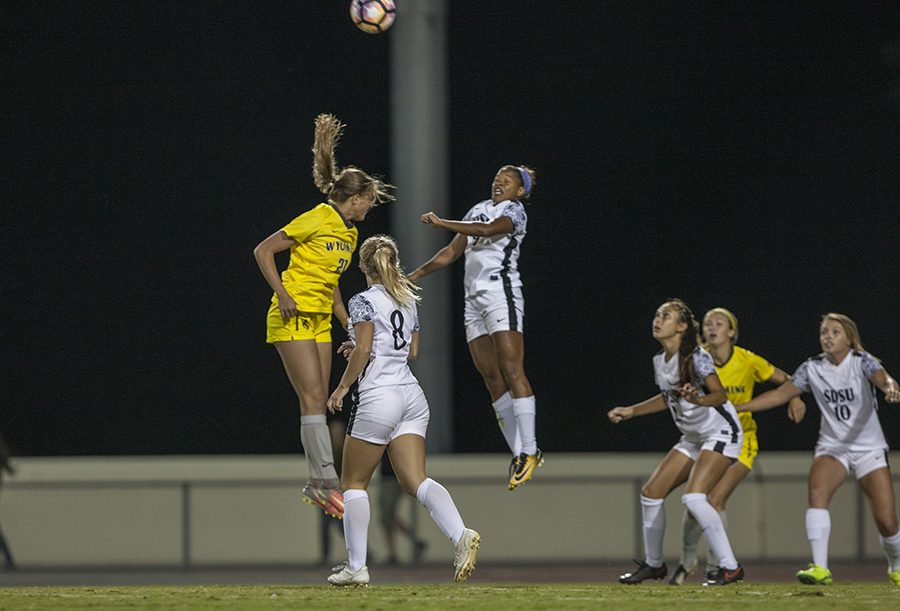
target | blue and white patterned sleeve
x=800, y=379
x=516, y=213
x=704, y=364
x=361, y=309
x=869, y=364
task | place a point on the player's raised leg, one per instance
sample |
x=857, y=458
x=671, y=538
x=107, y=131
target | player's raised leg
x=408, y=457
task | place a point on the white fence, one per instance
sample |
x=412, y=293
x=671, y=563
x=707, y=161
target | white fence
x=246, y=510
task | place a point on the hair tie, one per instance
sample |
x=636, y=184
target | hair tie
x=526, y=179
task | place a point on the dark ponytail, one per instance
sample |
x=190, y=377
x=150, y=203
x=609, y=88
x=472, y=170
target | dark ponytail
x=689, y=342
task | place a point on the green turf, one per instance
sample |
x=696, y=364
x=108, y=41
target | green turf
x=497, y=597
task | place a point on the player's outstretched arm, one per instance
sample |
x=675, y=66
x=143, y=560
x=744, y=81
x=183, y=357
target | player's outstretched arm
x=650, y=406
x=500, y=225
x=770, y=399
x=444, y=257
x=886, y=384
x=796, y=410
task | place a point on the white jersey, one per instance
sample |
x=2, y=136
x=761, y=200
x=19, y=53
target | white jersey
x=493, y=262
x=846, y=400
x=696, y=422
x=394, y=325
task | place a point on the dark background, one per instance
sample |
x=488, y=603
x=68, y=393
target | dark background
x=742, y=156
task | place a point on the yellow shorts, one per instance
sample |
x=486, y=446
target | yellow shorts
x=307, y=325
x=749, y=450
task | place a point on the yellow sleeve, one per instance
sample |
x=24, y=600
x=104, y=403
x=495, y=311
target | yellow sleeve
x=762, y=369
x=304, y=226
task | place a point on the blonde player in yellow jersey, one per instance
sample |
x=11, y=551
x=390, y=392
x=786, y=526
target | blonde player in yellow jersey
x=739, y=370
x=321, y=242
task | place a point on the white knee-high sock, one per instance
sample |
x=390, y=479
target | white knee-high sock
x=654, y=518
x=440, y=505
x=525, y=410
x=316, y=442
x=506, y=419
x=891, y=547
x=356, y=526
x=713, y=561
x=708, y=518
x=691, y=533
x=818, y=530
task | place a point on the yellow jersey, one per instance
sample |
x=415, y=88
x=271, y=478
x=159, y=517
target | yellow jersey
x=325, y=245
x=739, y=375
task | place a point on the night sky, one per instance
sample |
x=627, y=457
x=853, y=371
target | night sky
x=745, y=156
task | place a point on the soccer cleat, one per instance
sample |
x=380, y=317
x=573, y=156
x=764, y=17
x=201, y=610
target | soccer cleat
x=814, y=575
x=522, y=468
x=894, y=576
x=328, y=498
x=343, y=575
x=723, y=576
x=681, y=574
x=711, y=572
x=643, y=572
x=466, y=554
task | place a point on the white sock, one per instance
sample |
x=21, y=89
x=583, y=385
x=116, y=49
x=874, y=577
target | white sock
x=440, y=505
x=316, y=440
x=356, y=526
x=708, y=518
x=525, y=411
x=654, y=517
x=506, y=419
x=891, y=547
x=713, y=561
x=691, y=533
x=818, y=530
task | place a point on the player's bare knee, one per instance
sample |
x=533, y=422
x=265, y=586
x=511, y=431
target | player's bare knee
x=312, y=404
x=887, y=525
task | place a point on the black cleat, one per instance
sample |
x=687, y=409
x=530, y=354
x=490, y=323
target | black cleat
x=644, y=571
x=681, y=574
x=723, y=577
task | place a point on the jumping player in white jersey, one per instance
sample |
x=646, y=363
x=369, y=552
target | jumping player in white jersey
x=843, y=379
x=390, y=410
x=491, y=235
x=711, y=441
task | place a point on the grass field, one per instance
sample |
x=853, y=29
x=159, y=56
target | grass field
x=497, y=597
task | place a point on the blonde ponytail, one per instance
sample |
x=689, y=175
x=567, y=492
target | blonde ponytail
x=380, y=260
x=340, y=184
x=328, y=132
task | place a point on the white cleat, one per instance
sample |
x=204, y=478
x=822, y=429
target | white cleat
x=343, y=575
x=466, y=554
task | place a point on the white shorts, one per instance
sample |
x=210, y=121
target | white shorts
x=488, y=312
x=858, y=463
x=384, y=413
x=721, y=443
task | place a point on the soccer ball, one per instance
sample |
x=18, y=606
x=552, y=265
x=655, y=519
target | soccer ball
x=373, y=16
